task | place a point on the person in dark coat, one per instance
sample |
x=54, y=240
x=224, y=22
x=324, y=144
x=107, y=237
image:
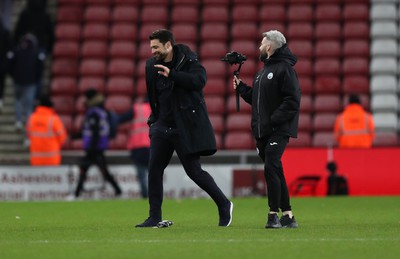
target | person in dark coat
x=179, y=122
x=5, y=45
x=275, y=100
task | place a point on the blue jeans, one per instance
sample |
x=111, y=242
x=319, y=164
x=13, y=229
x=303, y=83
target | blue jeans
x=24, y=101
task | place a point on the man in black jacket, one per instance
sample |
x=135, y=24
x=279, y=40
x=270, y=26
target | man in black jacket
x=179, y=122
x=275, y=100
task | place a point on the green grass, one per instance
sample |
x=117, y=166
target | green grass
x=347, y=227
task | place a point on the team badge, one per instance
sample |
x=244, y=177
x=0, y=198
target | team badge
x=270, y=75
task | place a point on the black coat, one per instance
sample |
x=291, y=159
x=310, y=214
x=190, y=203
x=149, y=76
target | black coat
x=275, y=96
x=188, y=105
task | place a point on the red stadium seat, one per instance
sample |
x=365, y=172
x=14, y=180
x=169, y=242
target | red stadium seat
x=328, y=85
x=272, y=12
x=385, y=139
x=244, y=13
x=239, y=141
x=92, y=67
x=213, y=31
x=185, y=2
x=86, y=83
x=63, y=86
x=324, y=139
x=121, y=67
x=120, y=85
x=141, y=87
x=328, y=12
x=306, y=84
x=356, y=84
x=231, y=105
x=64, y=104
x=238, y=122
x=147, y=28
x=246, y=47
x=118, y=103
x=94, y=49
x=66, y=49
x=185, y=32
x=356, y=12
x=300, y=13
x=214, y=68
x=125, y=14
x=79, y=109
x=215, y=104
x=69, y=13
x=119, y=142
x=95, y=31
x=64, y=67
x=300, y=30
x=355, y=47
x=306, y=104
x=184, y=14
x=271, y=25
x=303, y=140
x=99, y=2
x=77, y=3
x=356, y=30
x=123, y=32
x=304, y=67
x=215, y=86
x=302, y=48
x=213, y=13
x=66, y=119
x=68, y=31
x=357, y=65
x=213, y=49
x=327, y=66
x=122, y=49
x=140, y=71
x=217, y=121
x=154, y=14
x=327, y=103
x=328, y=30
x=96, y=14
x=305, y=122
x=244, y=30
x=127, y=2
x=328, y=49
x=324, y=122
x=216, y=2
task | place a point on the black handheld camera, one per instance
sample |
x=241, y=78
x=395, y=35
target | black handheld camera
x=235, y=58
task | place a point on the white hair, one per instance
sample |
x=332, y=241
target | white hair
x=276, y=37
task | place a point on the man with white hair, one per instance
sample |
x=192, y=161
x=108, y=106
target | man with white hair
x=275, y=100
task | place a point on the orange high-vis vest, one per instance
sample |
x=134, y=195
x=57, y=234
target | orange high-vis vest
x=354, y=128
x=46, y=133
x=139, y=131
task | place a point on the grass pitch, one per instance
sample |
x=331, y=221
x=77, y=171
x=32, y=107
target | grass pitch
x=345, y=227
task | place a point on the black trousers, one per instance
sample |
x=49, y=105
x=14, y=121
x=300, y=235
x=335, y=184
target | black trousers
x=270, y=150
x=163, y=141
x=95, y=157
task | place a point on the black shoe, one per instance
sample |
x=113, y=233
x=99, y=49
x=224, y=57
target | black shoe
x=148, y=223
x=273, y=221
x=288, y=222
x=225, y=215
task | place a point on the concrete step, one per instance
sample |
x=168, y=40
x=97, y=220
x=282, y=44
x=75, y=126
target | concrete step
x=14, y=158
x=7, y=118
x=10, y=138
x=13, y=148
x=9, y=128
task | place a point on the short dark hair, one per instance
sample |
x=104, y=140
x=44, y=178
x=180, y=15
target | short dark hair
x=163, y=35
x=353, y=98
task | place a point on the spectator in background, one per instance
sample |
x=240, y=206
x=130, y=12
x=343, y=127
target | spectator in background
x=95, y=134
x=6, y=13
x=139, y=141
x=26, y=68
x=35, y=20
x=46, y=133
x=354, y=127
x=337, y=184
x=4, y=48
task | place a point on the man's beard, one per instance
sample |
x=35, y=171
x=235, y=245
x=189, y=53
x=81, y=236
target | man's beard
x=263, y=56
x=160, y=56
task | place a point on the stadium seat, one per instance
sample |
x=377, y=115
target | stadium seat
x=324, y=139
x=127, y=2
x=384, y=29
x=147, y=28
x=386, y=121
x=223, y=3
x=68, y=31
x=323, y=122
x=77, y=3
x=328, y=30
x=327, y=103
x=94, y=49
x=302, y=48
x=121, y=67
x=120, y=85
x=122, y=49
x=306, y=104
x=86, y=83
x=185, y=32
x=70, y=13
x=123, y=32
x=358, y=84
x=95, y=31
x=244, y=30
x=119, y=142
x=272, y=12
x=66, y=119
x=97, y=14
x=64, y=67
x=239, y=141
x=383, y=11
x=212, y=13
x=213, y=31
x=306, y=84
x=304, y=67
x=66, y=49
x=215, y=104
x=140, y=67
x=356, y=48
x=231, y=105
x=125, y=14
x=384, y=65
x=300, y=30
x=356, y=12
x=271, y=25
x=246, y=47
x=140, y=87
x=64, y=104
x=303, y=140
x=215, y=86
x=244, y=13
x=328, y=13
x=355, y=66
x=92, y=67
x=356, y=30
x=327, y=84
x=217, y=121
x=384, y=102
x=213, y=50
x=328, y=49
x=385, y=139
x=99, y=2
x=384, y=47
x=186, y=14
x=327, y=66
x=118, y=103
x=154, y=14
x=214, y=68
x=384, y=84
x=305, y=124
x=63, y=86
x=300, y=13
x=238, y=122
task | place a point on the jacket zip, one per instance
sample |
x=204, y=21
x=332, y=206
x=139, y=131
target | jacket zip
x=258, y=105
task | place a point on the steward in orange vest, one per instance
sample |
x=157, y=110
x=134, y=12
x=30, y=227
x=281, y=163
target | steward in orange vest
x=354, y=127
x=46, y=133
